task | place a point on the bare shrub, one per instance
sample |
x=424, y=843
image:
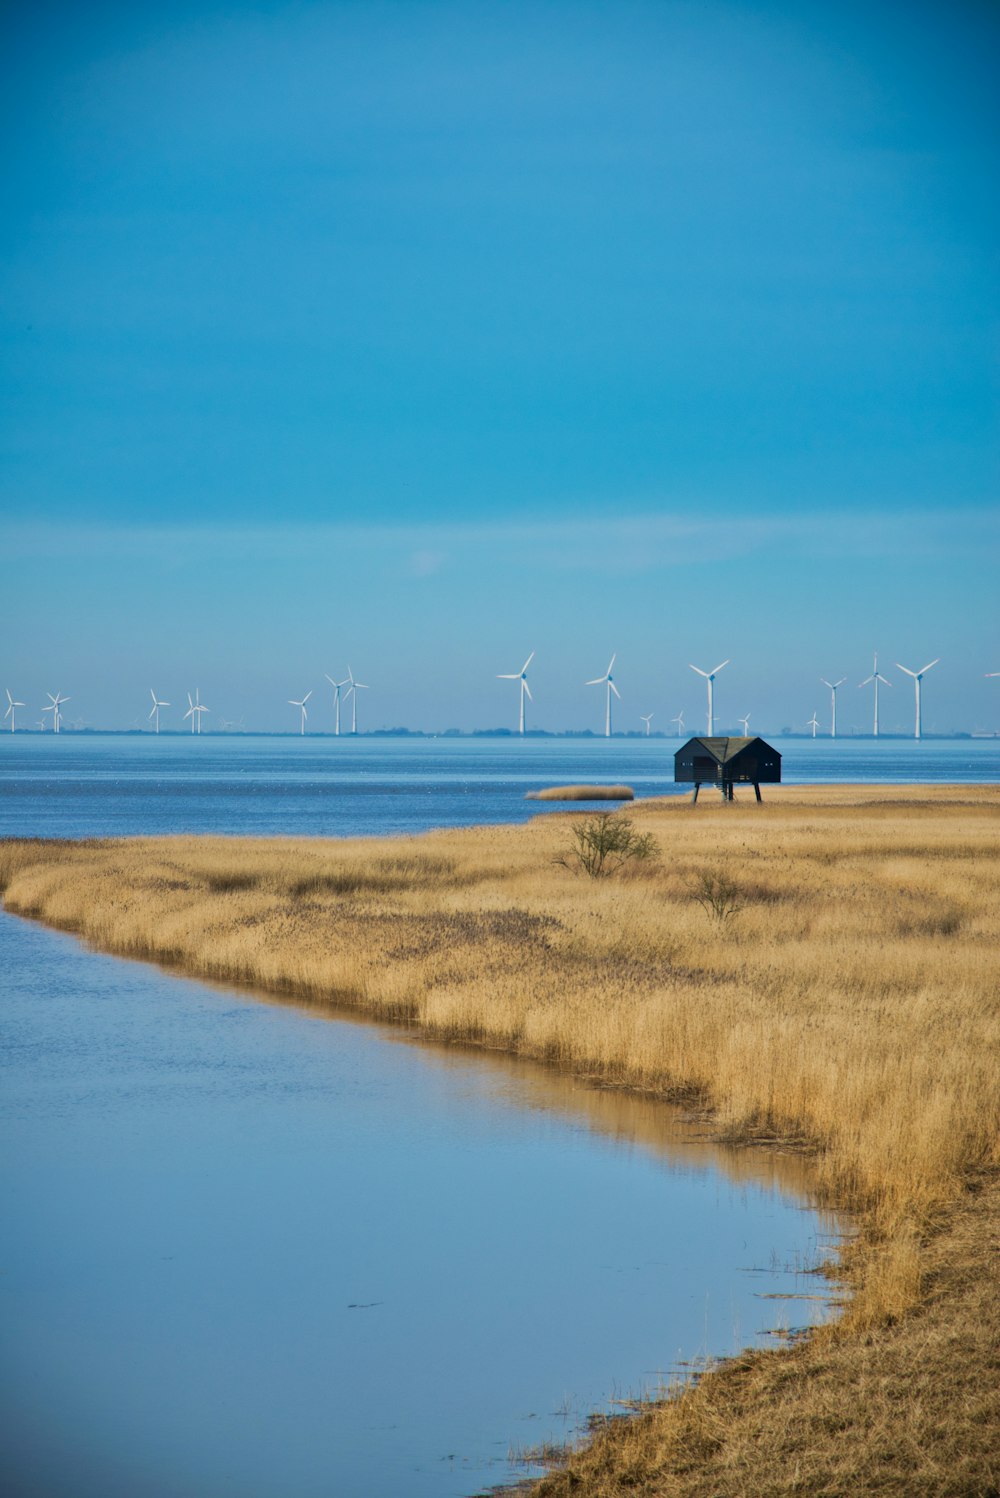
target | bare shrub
x=718, y=895
x=605, y=843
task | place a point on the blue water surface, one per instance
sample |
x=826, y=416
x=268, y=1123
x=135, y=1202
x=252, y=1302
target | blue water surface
x=75, y=785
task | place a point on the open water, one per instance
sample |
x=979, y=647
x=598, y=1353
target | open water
x=118, y=785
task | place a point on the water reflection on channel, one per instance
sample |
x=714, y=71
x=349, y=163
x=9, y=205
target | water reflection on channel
x=252, y=1249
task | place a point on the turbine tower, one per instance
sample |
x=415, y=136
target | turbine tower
x=646, y=718
x=679, y=720
x=710, y=679
x=55, y=703
x=301, y=705
x=336, y=699
x=12, y=703
x=833, y=685
x=746, y=725
x=195, y=710
x=154, y=711
x=813, y=723
x=600, y=681
x=918, y=677
x=352, y=692
x=876, y=678
x=522, y=677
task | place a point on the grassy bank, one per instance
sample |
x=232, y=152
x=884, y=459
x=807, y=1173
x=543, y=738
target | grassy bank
x=820, y=970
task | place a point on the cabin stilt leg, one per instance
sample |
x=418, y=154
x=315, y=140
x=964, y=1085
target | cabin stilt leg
x=697, y=788
x=756, y=786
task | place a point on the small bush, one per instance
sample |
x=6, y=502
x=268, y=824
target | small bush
x=718, y=895
x=605, y=843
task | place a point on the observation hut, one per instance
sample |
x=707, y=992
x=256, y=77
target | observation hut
x=727, y=763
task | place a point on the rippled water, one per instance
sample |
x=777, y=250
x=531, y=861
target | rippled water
x=248, y=1250
x=94, y=786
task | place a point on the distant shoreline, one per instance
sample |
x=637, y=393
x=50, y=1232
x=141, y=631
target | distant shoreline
x=629, y=736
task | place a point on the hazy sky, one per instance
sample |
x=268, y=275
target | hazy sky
x=421, y=335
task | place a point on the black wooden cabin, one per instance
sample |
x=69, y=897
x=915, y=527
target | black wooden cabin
x=726, y=763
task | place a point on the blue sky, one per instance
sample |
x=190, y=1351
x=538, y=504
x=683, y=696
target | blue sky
x=421, y=335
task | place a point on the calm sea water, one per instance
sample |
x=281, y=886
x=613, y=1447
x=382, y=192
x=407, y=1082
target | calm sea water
x=95, y=786
x=250, y=1251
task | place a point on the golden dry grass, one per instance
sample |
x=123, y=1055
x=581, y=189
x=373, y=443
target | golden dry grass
x=583, y=793
x=845, y=999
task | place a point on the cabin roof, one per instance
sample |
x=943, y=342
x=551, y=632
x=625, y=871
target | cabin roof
x=723, y=750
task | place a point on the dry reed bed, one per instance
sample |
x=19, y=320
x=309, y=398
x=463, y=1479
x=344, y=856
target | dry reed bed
x=849, y=1002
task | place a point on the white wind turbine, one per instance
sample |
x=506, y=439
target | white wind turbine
x=606, y=680
x=301, y=705
x=353, y=690
x=154, y=711
x=918, y=677
x=710, y=679
x=679, y=720
x=337, y=685
x=195, y=710
x=55, y=703
x=813, y=723
x=746, y=725
x=876, y=678
x=647, y=718
x=12, y=703
x=522, y=677
x=833, y=685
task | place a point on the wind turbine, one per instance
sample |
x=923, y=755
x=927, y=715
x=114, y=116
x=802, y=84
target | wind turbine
x=154, y=711
x=336, y=698
x=302, y=708
x=54, y=705
x=11, y=705
x=646, y=718
x=876, y=678
x=918, y=677
x=355, y=688
x=522, y=677
x=710, y=678
x=813, y=723
x=833, y=685
x=195, y=710
x=679, y=720
x=746, y=725
x=600, y=681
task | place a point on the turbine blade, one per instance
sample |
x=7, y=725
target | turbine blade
x=508, y=675
x=698, y=669
x=597, y=681
x=906, y=669
x=719, y=668
x=933, y=663
x=527, y=663
x=307, y=696
x=527, y=690
x=611, y=663
x=615, y=690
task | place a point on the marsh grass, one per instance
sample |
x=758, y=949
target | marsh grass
x=845, y=1004
x=583, y=793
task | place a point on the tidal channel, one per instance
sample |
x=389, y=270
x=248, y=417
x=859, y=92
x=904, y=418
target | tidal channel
x=249, y=1249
